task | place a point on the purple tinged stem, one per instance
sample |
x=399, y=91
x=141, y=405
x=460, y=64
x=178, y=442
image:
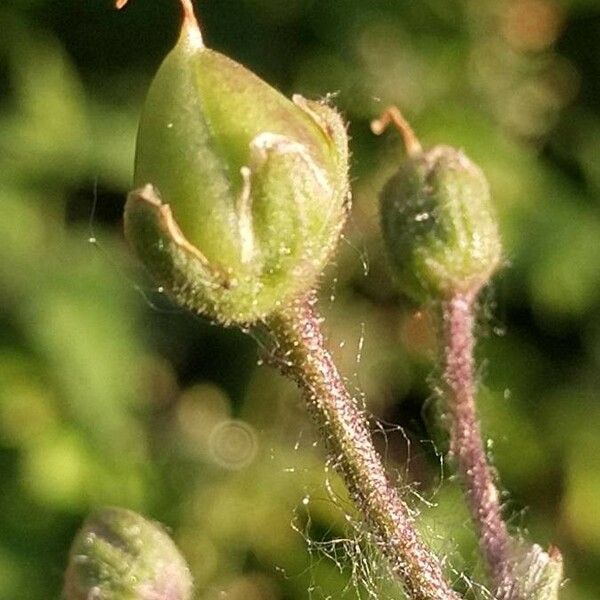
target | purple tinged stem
x=466, y=444
x=299, y=352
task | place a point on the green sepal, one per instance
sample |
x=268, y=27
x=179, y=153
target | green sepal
x=256, y=187
x=439, y=225
x=119, y=555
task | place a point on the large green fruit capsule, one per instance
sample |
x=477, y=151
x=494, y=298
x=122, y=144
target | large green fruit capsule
x=241, y=194
x=119, y=555
x=438, y=223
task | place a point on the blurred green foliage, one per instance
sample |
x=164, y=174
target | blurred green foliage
x=111, y=395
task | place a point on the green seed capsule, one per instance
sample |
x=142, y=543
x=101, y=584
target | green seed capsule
x=119, y=555
x=437, y=220
x=241, y=194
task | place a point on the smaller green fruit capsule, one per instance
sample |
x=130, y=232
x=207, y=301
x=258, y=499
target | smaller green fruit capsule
x=119, y=555
x=241, y=194
x=438, y=223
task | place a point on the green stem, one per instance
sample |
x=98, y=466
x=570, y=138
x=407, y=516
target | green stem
x=298, y=350
x=466, y=445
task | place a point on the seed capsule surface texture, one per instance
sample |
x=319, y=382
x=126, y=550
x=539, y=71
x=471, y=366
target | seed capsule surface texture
x=119, y=555
x=438, y=224
x=241, y=194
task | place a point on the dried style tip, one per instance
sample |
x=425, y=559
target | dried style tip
x=119, y=555
x=437, y=221
x=241, y=194
x=393, y=115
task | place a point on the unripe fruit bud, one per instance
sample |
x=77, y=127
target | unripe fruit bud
x=437, y=220
x=119, y=555
x=241, y=194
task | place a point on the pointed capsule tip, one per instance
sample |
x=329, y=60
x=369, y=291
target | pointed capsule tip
x=392, y=115
x=190, y=26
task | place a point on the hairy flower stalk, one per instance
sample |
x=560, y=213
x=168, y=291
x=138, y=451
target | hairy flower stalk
x=299, y=351
x=518, y=571
x=466, y=443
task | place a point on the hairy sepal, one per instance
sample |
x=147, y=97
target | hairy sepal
x=255, y=184
x=439, y=226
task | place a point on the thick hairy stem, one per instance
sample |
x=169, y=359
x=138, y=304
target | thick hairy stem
x=299, y=352
x=466, y=445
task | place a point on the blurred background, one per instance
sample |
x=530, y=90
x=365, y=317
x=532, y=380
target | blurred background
x=109, y=394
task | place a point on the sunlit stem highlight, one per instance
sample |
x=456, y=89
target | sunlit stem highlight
x=298, y=350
